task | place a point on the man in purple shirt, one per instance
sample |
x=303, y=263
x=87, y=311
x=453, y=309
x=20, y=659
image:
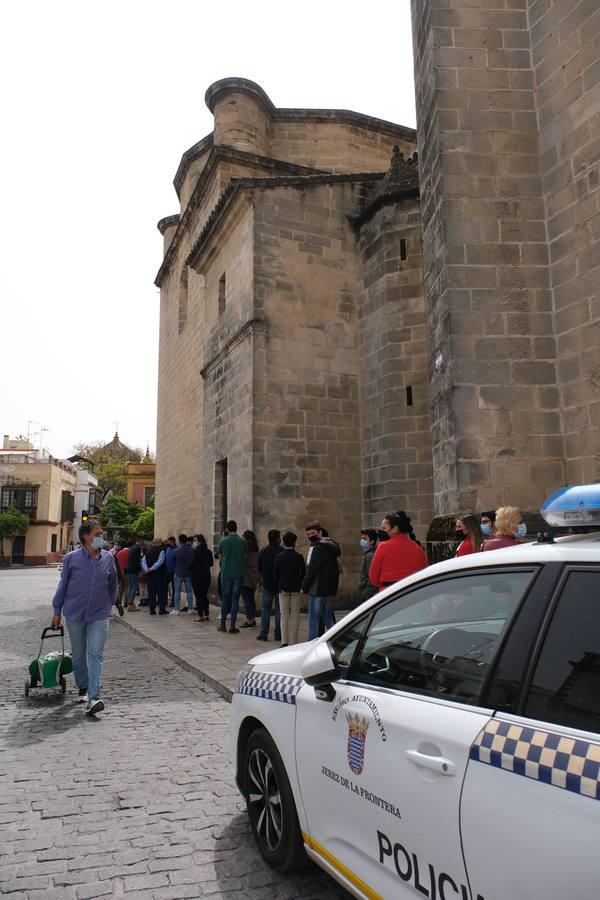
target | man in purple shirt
x=85, y=596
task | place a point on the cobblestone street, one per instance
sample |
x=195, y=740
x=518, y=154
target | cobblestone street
x=140, y=802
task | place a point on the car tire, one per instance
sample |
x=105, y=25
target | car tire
x=270, y=805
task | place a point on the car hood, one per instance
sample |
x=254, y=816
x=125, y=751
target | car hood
x=284, y=660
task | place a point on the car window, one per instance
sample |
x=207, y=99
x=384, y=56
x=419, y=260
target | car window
x=344, y=644
x=440, y=638
x=565, y=688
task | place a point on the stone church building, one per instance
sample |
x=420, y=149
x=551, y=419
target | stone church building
x=348, y=329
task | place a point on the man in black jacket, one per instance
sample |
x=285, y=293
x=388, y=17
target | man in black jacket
x=322, y=578
x=134, y=566
x=288, y=571
x=266, y=561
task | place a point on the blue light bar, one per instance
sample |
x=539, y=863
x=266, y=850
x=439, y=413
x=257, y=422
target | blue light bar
x=573, y=506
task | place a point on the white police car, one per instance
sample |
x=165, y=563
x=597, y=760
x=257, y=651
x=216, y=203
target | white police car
x=443, y=740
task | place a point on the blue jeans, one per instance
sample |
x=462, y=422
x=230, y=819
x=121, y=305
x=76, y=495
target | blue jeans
x=230, y=600
x=132, y=586
x=183, y=581
x=265, y=615
x=317, y=607
x=249, y=602
x=87, y=648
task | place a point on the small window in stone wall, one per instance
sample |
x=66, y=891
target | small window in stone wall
x=183, y=301
x=222, y=286
x=402, y=248
x=409, y=395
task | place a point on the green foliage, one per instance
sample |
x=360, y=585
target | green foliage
x=144, y=524
x=12, y=523
x=121, y=513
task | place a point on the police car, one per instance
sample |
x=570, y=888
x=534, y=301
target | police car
x=443, y=740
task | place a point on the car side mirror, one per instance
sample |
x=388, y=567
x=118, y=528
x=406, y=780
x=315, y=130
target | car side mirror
x=319, y=667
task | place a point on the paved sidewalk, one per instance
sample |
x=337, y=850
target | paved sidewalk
x=214, y=657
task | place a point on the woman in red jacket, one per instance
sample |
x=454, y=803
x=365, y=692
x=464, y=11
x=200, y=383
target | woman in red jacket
x=469, y=533
x=399, y=556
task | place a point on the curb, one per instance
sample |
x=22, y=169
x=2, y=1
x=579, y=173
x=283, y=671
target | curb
x=220, y=688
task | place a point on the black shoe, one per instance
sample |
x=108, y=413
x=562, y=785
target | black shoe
x=163, y=612
x=285, y=645
x=262, y=637
x=94, y=706
x=184, y=610
x=152, y=612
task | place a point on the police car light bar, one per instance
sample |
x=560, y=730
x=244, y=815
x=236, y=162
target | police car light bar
x=574, y=506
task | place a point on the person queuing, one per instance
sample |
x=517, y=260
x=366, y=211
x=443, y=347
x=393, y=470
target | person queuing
x=488, y=523
x=289, y=569
x=132, y=570
x=470, y=535
x=322, y=578
x=183, y=561
x=368, y=545
x=86, y=593
x=202, y=563
x=232, y=552
x=154, y=567
x=171, y=547
x=251, y=579
x=509, y=527
x=266, y=561
x=400, y=555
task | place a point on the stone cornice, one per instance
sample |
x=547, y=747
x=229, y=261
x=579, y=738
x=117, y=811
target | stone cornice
x=248, y=329
x=237, y=86
x=188, y=158
x=237, y=185
x=348, y=117
x=218, y=154
x=380, y=201
x=167, y=222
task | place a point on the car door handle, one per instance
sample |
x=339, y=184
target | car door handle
x=435, y=763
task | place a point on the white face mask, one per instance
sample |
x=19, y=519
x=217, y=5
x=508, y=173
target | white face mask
x=521, y=530
x=194, y=544
x=98, y=542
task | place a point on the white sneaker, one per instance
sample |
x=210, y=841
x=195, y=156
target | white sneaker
x=174, y=612
x=83, y=696
x=94, y=706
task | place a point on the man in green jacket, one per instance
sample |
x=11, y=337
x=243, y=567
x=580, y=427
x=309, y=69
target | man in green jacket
x=231, y=552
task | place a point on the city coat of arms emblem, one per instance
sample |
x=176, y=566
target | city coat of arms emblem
x=357, y=738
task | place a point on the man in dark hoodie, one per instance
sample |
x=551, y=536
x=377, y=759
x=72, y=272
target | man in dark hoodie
x=266, y=563
x=322, y=578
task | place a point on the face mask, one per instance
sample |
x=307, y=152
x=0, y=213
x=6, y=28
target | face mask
x=459, y=535
x=486, y=529
x=364, y=543
x=314, y=538
x=194, y=544
x=98, y=543
x=521, y=530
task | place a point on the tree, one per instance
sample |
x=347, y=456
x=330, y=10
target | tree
x=110, y=463
x=144, y=524
x=12, y=523
x=120, y=513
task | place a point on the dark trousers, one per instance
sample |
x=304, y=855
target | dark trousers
x=157, y=590
x=200, y=586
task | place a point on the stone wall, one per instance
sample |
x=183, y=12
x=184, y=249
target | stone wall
x=394, y=396
x=565, y=45
x=495, y=413
x=306, y=426
x=337, y=146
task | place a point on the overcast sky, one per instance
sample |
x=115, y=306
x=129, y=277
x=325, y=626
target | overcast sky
x=100, y=100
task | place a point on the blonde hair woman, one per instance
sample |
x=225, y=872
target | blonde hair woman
x=509, y=527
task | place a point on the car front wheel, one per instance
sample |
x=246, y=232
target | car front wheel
x=270, y=805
